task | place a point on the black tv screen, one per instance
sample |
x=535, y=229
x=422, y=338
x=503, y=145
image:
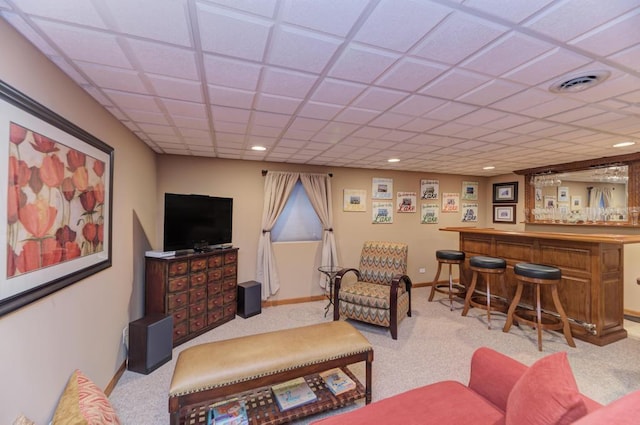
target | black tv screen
x=196, y=221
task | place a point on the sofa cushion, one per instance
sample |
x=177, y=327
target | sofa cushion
x=624, y=411
x=83, y=403
x=446, y=402
x=546, y=394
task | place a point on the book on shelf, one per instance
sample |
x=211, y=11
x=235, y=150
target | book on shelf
x=293, y=393
x=337, y=381
x=228, y=412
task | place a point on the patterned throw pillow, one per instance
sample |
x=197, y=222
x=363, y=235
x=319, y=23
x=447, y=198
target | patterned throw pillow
x=83, y=403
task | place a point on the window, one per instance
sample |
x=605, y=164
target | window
x=298, y=221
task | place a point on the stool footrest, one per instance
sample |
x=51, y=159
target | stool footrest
x=497, y=304
x=549, y=321
x=443, y=288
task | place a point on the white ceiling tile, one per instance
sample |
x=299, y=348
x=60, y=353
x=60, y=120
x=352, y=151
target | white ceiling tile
x=410, y=74
x=319, y=110
x=222, y=113
x=239, y=129
x=450, y=110
x=414, y=17
x=231, y=72
x=575, y=114
x=391, y=120
x=29, y=33
x=166, y=60
x=265, y=131
x=362, y=64
x=175, y=88
x=73, y=11
x=277, y=104
x=287, y=83
x=134, y=101
x=378, y=99
x=629, y=57
x=86, y=45
x=163, y=20
x=64, y=65
x=188, y=122
x=568, y=19
x=234, y=98
x=330, y=16
x=491, y=92
x=421, y=125
x=507, y=53
x=417, y=105
x=113, y=78
x=454, y=83
x=264, y=8
x=612, y=37
x=481, y=116
x=185, y=109
x=271, y=119
x=232, y=34
x=194, y=133
x=549, y=66
x=356, y=115
x=524, y=100
x=307, y=124
x=147, y=117
x=513, y=10
x=158, y=130
x=302, y=50
x=336, y=91
x=457, y=37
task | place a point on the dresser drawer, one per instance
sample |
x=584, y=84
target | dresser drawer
x=197, y=308
x=231, y=257
x=214, y=316
x=214, y=303
x=198, y=264
x=197, y=323
x=214, y=274
x=197, y=279
x=178, y=284
x=176, y=301
x=197, y=294
x=179, y=315
x=178, y=268
x=216, y=261
x=229, y=285
x=180, y=330
x=229, y=310
x=229, y=297
x=230, y=270
x=214, y=289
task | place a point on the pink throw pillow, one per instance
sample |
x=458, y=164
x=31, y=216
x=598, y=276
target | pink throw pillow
x=546, y=394
x=624, y=411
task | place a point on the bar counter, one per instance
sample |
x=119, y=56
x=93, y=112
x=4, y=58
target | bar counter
x=592, y=268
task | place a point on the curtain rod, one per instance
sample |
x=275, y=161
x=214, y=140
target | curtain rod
x=264, y=173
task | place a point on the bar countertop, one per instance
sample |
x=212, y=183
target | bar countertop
x=578, y=237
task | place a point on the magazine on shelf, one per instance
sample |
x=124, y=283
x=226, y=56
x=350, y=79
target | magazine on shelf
x=337, y=381
x=293, y=393
x=228, y=412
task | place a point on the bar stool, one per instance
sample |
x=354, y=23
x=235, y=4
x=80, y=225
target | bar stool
x=450, y=257
x=487, y=266
x=538, y=275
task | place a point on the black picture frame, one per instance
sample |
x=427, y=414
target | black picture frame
x=505, y=193
x=71, y=179
x=504, y=214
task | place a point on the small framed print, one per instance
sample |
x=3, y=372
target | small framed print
x=576, y=203
x=504, y=214
x=355, y=200
x=505, y=192
x=563, y=194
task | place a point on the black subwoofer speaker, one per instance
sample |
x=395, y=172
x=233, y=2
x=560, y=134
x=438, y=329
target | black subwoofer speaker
x=249, y=299
x=150, y=343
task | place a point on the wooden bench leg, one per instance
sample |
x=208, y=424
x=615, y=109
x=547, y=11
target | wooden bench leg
x=367, y=390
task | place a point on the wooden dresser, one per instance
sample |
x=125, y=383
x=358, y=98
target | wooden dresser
x=198, y=290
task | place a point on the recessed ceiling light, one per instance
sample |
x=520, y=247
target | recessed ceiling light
x=258, y=148
x=393, y=160
x=623, y=144
x=490, y=167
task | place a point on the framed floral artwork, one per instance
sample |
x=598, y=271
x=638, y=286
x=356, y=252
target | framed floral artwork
x=57, y=186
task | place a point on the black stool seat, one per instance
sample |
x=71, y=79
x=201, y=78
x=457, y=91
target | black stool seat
x=447, y=254
x=487, y=262
x=537, y=271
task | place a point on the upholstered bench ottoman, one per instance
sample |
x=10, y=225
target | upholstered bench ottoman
x=247, y=367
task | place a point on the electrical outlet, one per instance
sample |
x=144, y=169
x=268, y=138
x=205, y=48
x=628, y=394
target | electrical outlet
x=422, y=270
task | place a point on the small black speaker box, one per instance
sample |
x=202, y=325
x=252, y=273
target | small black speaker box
x=249, y=299
x=150, y=343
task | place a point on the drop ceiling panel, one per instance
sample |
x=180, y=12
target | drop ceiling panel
x=350, y=83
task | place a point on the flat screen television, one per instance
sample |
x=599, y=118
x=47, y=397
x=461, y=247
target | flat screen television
x=196, y=221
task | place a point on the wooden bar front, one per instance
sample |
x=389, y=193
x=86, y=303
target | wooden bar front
x=592, y=268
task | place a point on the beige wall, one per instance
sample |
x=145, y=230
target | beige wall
x=81, y=325
x=297, y=262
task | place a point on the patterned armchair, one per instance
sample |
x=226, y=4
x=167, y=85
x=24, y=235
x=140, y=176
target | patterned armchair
x=382, y=293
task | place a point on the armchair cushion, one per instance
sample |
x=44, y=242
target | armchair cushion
x=367, y=294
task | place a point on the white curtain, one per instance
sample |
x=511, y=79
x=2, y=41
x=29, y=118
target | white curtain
x=318, y=188
x=277, y=188
x=600, y=197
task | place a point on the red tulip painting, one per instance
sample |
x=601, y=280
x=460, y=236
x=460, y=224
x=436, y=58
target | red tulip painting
x=55, y=203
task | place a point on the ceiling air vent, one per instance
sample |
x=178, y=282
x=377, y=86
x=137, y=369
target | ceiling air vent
x=580, y=82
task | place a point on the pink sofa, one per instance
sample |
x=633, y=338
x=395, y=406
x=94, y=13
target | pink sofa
x=501, y=391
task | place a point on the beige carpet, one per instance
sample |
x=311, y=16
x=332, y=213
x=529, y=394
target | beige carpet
x=433, y=345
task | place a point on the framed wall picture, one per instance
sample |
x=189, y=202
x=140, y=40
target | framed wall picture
x=355, y=200
x=382, y=188
x=505, y=192
x=57, y=183
x=406, y=202
x=563, y=194
x=429, y=189
x=470, y=191
x=504, y=214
